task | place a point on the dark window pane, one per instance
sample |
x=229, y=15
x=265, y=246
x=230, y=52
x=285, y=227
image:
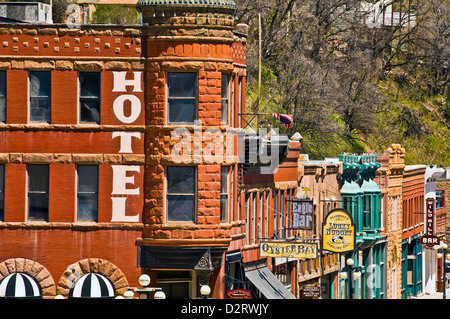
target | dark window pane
x=2, y=178
x=223, y=207
x=37, y=206
x=182, y=84
x=180, y=207
x=38, y=178
x=87, y=192
x=175, y=290
x=182, y=92
x=40, y=109
x=40, y=96
x=89, y=97
x=90, y=110
x=225, y=86
x=38, y=192
x=87, y=179
x=2, y=192
x=2, y=109
x=180, y=180
x=2, y=96
x=87, y=207
x=40, y=84
x=181, y=110
x=89, y=84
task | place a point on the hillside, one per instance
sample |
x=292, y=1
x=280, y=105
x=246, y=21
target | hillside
x=353, y=87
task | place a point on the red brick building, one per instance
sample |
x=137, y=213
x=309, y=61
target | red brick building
x=105, y=159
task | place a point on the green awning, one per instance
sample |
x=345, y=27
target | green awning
x=350, y=188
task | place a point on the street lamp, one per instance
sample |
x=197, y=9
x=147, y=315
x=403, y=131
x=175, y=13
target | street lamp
x=205, y=290
x=144, y=292
x=159, y=295
x=128, y=294
x=443, y=252
x=348, y=272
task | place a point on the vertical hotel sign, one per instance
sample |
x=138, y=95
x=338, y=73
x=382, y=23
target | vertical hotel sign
x=430, y=239
x=338, y=232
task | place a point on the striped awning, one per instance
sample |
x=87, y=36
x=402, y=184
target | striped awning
x=92, y=285
x=19, y=285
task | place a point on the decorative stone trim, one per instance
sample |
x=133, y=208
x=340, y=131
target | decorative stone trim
x=92, y=265
x=94, y=159
x=34, y=269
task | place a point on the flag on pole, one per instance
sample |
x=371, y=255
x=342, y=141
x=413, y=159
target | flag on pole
x=286, y=119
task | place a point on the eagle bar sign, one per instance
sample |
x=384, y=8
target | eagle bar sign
x=302, y=214
x=288, y=249
x=338, y=232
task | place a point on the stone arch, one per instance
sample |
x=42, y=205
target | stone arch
x=92, y=265
x=32, y=268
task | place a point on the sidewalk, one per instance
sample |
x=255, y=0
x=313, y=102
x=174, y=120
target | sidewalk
x=436, y=295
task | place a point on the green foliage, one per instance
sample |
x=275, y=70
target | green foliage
x=350, y=88
x=115, y=14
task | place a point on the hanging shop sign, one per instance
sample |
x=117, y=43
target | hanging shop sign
x=430, y=239
x=302, y=214
x=310, y=292
x=338, y=231
x=288, y=249
x=238, y=294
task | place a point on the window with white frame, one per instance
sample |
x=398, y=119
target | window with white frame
x=2, y=96
x=87, y=192
x=182, y=97
x=224, y=193
x=440, y=198
x=38, y=192
x=225, y=98
x=394, y=212
x=40, y=96
x=2, y=192
x=181, y=193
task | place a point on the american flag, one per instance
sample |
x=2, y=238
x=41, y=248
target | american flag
x=286, y=119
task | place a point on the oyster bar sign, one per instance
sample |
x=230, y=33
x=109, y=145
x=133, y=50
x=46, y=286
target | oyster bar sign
x=123, y=178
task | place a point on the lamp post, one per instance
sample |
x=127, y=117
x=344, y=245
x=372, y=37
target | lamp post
x=144, y=292
x=205, y=290
x=351, y=273
x=443, y=253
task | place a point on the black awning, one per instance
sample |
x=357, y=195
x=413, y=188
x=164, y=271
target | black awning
x=92, y=285
x=19, y=285
x=198, y=258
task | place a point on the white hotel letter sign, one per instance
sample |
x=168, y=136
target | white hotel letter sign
x=122, y=181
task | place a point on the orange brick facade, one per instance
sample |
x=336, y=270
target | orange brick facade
x=131, y=146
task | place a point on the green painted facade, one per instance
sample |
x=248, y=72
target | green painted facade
x=360, y=196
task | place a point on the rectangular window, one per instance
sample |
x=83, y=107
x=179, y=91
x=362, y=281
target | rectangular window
x=181, y=190
x=89, y=94
x=2, y=192
x=225, y=99
x=2, y=96
x=247, y=218
x=366, y=211
x=224, y=173
x=440, y=198
x=182, y=97
x=239, y=101
x=87, y=192
x=40, y=96
x=38, y=187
